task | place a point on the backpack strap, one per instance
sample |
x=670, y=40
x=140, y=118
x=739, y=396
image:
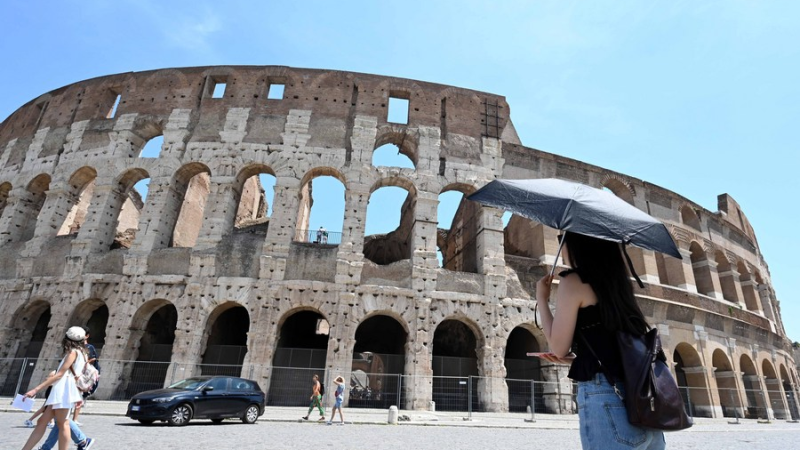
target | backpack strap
x=608, y=375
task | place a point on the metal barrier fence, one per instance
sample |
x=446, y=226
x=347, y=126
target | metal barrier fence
x=291, y=386
x=319, y=237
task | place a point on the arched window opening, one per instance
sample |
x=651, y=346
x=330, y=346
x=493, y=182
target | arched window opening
x=301, y=352
x=390, y=155
x=389, y=225
x=457, y=232
x=36, y=195
x=378, y=363
x=92, y=314
x=320, y=217
x=83, y=183
x=702, y=273
x=726, y=278
x=32, y=324
x=128, y=205
x=256, y=195
x=521, y=370
x=749, y=291
x=155, y=335
x=619, y=188
x=193, y=183
x=691, y=381
x=152, y=149
x=726, y=385
x=690, y=217
x=791, y=400
x=773, y=385
x=454, y=361
x=226, y=346
x=752, y=389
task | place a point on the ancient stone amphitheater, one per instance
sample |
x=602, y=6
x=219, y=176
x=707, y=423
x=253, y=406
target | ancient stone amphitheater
x=196, y=277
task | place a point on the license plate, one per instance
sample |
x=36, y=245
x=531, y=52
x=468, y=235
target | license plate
x=134, y=408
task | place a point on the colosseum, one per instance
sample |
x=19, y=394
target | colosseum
x=207, y=275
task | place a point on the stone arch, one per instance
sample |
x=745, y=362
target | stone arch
x=789, y=392
x=378, y=363
x=389, y=247
x=690, y=218
x=126, y=205
x=92, y=313
x=28, y=331
x=458, y=243
x=407, y=143
x=690, y=375
x=523, y=372
x=252, y=205
x=225, y=340
x=152, y=335
x=701, y=269
x=726, y=278
x=755, y=405
x=619, y=187
x=303, y=231
x=191, y=186
x=301, y=350
x=774, y=392
x=35, y=196
x=457, y=342
x=81, y=187
x=726, y=384
x=748, y=287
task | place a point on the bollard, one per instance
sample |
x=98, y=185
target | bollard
x=392, y=415
x=432, y=406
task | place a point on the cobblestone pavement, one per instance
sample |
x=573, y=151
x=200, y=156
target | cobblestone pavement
x=114, y=432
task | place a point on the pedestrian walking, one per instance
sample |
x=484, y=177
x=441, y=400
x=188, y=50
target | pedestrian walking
x=595, y=300
x=316, y=398
x=65, y=393
x=29, y=422
x=91, y=352
x=338, y=398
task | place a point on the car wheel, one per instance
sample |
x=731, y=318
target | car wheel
x=250, y=414
x=217, y=421
x=180, y=415
x=146, y=421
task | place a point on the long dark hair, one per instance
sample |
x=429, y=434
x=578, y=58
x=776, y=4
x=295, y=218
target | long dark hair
x=599, y=263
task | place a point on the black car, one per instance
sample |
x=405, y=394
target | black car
x=214, y=398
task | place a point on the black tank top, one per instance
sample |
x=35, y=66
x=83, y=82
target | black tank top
x=589, y=327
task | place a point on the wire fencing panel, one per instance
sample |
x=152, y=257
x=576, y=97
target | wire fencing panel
x=291, y=386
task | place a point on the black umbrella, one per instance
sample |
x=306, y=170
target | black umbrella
x=578, y=208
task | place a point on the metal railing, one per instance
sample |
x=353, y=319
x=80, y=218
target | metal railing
x=318, y=237
x=291, y=386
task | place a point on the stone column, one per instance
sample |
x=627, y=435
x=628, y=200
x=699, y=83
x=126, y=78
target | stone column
x=424, y=266
x=281, y=231
x=749, y=290
x=765, y=297
x=492, y=387
x=734, y=294
x=491, y=257
x=98, y=231
x=557, y=390
x=679, y=271
x=708, y=268
x=350, y=255
x=644, y=262
x=418, y=378
x=156, y=224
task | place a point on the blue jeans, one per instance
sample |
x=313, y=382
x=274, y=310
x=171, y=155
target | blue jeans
x=604, y=420
x=75, y=432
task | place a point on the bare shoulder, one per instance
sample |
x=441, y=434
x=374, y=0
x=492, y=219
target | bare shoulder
x=571, y=288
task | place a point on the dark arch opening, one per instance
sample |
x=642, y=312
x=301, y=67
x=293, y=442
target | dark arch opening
x=30, y=348
x=301, y=352
x=155, y=352
x=522, y=372
x=378, y=363
x=227, y=343
x=454, y=362
x=97, y=327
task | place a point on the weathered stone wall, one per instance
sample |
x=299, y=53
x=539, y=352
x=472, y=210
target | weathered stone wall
x=188, y=252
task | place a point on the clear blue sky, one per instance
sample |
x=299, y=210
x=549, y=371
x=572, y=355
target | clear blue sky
x=700, y=97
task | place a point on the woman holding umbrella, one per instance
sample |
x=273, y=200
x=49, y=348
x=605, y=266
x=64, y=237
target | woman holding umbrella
x=594, y=300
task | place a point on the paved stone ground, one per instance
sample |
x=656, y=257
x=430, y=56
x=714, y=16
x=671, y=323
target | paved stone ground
x=115, y=432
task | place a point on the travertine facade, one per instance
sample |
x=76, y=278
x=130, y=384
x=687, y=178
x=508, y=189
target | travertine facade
x=198, y=266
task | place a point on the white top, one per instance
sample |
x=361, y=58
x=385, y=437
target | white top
x=64, y=393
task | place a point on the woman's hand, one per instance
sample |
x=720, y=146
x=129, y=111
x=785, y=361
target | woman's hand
x=543, y=288
x=31, y=393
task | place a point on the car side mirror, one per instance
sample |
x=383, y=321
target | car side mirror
x=208, y=388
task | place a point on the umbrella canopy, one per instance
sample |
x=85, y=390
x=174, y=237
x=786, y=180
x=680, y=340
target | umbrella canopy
x=578, y=208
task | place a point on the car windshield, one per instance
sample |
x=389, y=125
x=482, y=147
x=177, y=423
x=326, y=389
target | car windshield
x=189, y=384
